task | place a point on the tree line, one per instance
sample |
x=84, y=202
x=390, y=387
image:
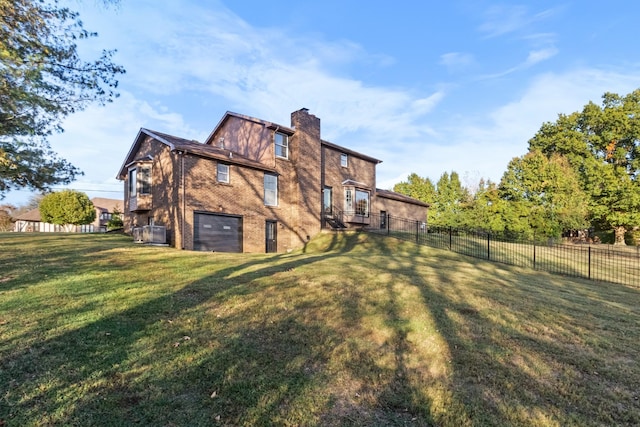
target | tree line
x=580, y=172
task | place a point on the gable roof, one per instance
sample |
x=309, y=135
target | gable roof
x=32, y=215
x=187, y=146
x=284, y=129
x=350, y=152
x=107, y=205
x=266, y=123
x=400, y=197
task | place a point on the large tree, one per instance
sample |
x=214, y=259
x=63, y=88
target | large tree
x=451, y=201
x=544, y=195
x=602, y=144
x=417, y=187
x=43, y=80
x=487, y=210
x=67, y=207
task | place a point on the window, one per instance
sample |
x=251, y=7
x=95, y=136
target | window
x=145, y=179
x=327, y=201
x=362, y=202
x=133, y=185
x=223, y=173
x=140, y=180
x=344, y=160
x=270, y=190
x=348, y=201
x=282, y=145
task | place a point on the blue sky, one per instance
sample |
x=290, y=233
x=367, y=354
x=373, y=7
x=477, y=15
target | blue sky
x=426, y=87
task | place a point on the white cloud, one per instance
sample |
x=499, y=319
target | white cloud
x=455, y=61
x=540, y=55
x=97, y=140
x=484, y=145
x=504, y=19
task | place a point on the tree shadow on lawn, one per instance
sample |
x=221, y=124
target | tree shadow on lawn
x=533, y=349
x=522, y=350
x=220, y=363
x=26, y=259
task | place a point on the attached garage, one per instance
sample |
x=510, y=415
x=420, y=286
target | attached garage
x=218, y=233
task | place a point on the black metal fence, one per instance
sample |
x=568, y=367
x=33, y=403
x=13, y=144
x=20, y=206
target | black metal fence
x=600, y=263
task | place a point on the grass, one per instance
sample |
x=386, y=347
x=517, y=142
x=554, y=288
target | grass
x=604, y=263
x=355, y=329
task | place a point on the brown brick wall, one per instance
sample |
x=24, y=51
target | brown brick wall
x=244, y=197
x=250, y=139
x=304, y=175
x=399, y=209
x=164, y=196
x=361, y=171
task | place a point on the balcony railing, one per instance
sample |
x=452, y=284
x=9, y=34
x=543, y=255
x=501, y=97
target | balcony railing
x=337, y=218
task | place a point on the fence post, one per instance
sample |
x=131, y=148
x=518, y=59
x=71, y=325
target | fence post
x=488, y=245
x=388, y=224
x=450, y=237
x=417, y=230
x=589, y=263
x=534, y=252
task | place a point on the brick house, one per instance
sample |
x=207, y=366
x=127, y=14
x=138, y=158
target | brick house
x=253, y=186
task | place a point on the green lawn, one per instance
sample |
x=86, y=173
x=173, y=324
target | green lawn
x=355, y=329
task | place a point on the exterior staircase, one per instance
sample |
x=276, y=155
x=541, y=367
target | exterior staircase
x=336, y=223
x=334, y=219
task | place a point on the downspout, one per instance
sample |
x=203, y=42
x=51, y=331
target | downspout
x=274, y=147
x=323, y=222
x=184, y=202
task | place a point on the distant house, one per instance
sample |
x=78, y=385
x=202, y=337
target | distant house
x=105, y=209
x=252, y=186
x=32, y=221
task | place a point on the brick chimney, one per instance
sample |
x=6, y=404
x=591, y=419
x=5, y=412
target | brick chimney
x=306, y=159
x=307, y=123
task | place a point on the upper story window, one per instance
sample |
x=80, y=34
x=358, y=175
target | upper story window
x=270, y=190
x=344, y=160
x=282, y=145
x=223, y=173
x=140, y=180
x=133, y=183
x=144, y=179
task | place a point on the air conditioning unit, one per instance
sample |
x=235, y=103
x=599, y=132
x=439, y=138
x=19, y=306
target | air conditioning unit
x=154, y=234
x=137, y=234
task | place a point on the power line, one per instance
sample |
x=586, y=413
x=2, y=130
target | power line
x=93, y=191
x=66, y=188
